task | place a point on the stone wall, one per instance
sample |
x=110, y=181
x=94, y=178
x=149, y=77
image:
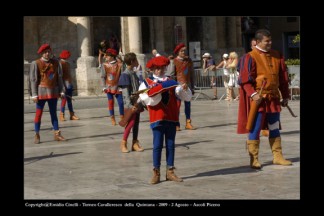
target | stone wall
x=58, y=31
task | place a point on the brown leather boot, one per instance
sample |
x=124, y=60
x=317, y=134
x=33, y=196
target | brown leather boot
x=37, y=138
x=136, y=146
x=275, y=144
x=123, y=146
x=171, y=176
x=156, y=176
x=189, y=125
x=253, y=147
x=178, y=128
x=73, y=116
x=58, y=136
x=121, y=117
x=62, y=116
x=113, y=121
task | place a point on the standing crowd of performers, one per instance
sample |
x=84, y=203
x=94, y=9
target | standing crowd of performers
x=263, y=80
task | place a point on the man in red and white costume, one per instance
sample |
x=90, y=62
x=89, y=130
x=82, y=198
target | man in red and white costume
x=161, y=100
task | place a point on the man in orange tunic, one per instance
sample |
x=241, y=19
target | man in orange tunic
x=260, y=65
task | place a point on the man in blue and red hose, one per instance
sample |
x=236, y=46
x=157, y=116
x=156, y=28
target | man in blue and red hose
x=67, y=80
x=46, y=86
x=263, y=65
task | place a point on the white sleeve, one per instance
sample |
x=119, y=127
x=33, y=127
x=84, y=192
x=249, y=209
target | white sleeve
x=149, y=101
x=182, y=94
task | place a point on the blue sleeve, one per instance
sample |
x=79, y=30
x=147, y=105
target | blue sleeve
x=169, y=83
x=124, y=80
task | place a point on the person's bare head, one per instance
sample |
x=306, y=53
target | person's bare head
x=154, y=52
x=263, y=37
x=130, y=59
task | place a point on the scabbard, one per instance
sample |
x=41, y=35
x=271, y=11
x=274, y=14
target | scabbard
x=252, y=114
x=128, y=113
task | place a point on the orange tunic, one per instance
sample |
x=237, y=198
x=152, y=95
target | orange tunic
x=48, y=72
x=184, y=71
x=111, y=76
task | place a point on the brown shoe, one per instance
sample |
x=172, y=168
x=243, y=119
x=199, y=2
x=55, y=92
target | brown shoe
x=37, y=138
x=113, y=121
x=62, y=118
x=58, y=136
x=171, y=176
x=136, y=146
x=189, y=125
x=178, y=128
x=73, y=116
x=123, y=146
x=156, y=176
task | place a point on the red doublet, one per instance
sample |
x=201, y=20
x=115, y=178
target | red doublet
x=166, y=110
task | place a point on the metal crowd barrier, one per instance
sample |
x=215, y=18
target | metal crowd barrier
x=294, y=84
x=208, y=79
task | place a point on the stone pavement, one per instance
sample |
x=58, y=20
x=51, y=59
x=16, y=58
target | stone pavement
x=212, y=160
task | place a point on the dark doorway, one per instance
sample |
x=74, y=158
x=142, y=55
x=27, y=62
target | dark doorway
x=194, y=29
x=146, y=35
x=103, y=29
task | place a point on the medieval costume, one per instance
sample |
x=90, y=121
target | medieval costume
x=267, y=70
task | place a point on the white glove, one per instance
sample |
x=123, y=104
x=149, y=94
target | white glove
x=62, y=95
x=99, y=66
x=104, y=90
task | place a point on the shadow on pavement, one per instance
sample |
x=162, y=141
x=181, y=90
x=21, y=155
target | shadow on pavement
x=51, y=155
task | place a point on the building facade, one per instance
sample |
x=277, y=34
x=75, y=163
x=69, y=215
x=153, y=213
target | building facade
x=82, y=35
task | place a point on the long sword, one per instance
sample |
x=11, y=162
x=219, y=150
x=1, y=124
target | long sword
x=290, y=111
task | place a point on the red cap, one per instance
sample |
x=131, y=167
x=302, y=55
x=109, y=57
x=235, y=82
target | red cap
x=178, y=47
x=159, y=61
x=111, y=51
x=65, y=54
x=43, y=48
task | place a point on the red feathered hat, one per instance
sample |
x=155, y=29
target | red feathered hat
x=178, y=47
x=113, y=52
x=159, y=61
x=43, y=48
x=65, y=54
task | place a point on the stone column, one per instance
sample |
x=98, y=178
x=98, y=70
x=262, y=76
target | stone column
x=86, y=73
x=135, y=38
x=124, y=34
x=220, y=22
x=238, y=32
